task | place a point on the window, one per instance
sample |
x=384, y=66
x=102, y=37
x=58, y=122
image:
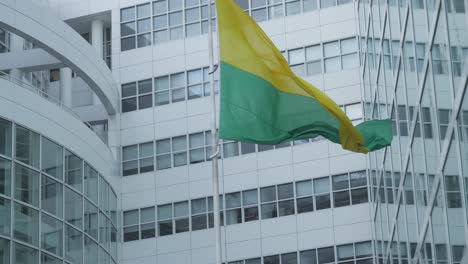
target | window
x=297, y=61
x=26, y=185
x=250, y=205
x=91, y=219
x=137, y=95
x=73, y=245
x=230, y=148
x=138, y=159
x=91, y=183
x=5, y=137
x=181, y=217
x=73, y=208
x=453, y=191
x=51, y=234
x=5, y=211
x=52, y=158
x=263, y=10
x=314, y=60
x=26, y=228
x=128, y=28
x=165, y=220
x=233, y=208
x=439, y=59
x=24, y=254
x=27, y=146
x=200, y=147
x=326, y=255
x=444, y=118
x=304, y=198
x=179, y=151
x=341, y=195
x=130, y=225
x=322, y=193
x=147, y=222
x=73, y=171
x=199, y=214
x=349, y=55
x=163, y=154
x=359, y=193
x=52, y=197
x=286, y=199
x=268, y=199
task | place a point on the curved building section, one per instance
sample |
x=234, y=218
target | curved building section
x=39, y=25
x=58, y=196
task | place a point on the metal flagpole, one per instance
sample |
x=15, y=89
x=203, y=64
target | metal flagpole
x=214, y=141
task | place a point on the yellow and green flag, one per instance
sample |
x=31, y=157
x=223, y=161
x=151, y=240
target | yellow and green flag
x=264, y=102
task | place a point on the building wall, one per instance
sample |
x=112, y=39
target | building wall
x=416, y=75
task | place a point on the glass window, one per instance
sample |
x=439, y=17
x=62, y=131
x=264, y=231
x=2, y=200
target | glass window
x=73, y=171
x=91, y=183
x=143, y=10
x=127, y=29
x=24, y=254
x=165, y=220
x=51, y=196
x=332, y=64
x=26, y=224
x=90, y=251
x=233, y=216
x=52, y=234
x=52, y=158
x=290, y=258
x=5, y=177
x=268, y=194
x=127, y=14
x=163, y=150
x=181, y=212
x=322, y=193
x=331, y=49
x=4, y=251
x=308, y=257
x=5, y=137
x=296, y=56
x=179, y=146
x=27, y=146
x=326, y=255
x=130, y=225
x=73, y=208
x=128, y=44
x=73, y=245
x=91, y=219
x=5, y=219
x=147, y=220
x=293, y=8
x=103, y=195
x=271, y=259
x=285, y=191
x=340, y=182
x=348, y=45
x=26, y=185
x=345, y=252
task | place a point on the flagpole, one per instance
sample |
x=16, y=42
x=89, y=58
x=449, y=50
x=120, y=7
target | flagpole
x=214, y=142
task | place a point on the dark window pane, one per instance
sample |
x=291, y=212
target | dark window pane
x=286, y=207
x=322, y=201
x=326, y=255
x=128, y=43
x=130, y=233
x=182, y=225
x=290, y=258
x=129, y=105
x=148, y=231
x=251, y=214
x=308, y=257
x=165, y=228
x=340, y=182
x=199, y=222
x=359, y=196
x=247, y=148
x=233, y=216
x=341, y=198
x=285, y=191
x=269, y=211
x=268, y=194
x=271, y=260
x=305, y=204
x=145, y=101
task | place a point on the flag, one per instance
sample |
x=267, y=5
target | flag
x=264, y=102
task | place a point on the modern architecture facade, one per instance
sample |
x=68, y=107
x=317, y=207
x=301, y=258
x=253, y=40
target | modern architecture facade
x=105, y=136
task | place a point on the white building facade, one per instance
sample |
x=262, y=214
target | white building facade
x=105, y=136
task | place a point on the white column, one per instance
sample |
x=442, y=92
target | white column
x=66, y=86
x=97, y=41
x=16, y=45
x=97, y=37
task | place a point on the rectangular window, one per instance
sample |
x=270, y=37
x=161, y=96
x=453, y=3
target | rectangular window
x=304, y=198
x=233, y=208
x=26, y=185
x=5, y=137
x=322, y=193
x=199, y=214
x=165, y=226
x=51, y=196
x=147, y=222
x=130, y=225
x=27, y=146
x=250, y=205
x=181, y=217
x=73, y=171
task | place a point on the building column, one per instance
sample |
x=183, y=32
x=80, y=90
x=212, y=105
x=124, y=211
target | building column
x=66, y=85
x=16, y=45
x=97, y=41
